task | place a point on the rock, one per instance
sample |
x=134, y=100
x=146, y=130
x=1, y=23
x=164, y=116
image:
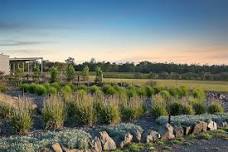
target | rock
x=107, y=142
x=212, y=125
x=167, y=132
x=96, y=145
x=57, y=147
x=199, y=127
x=127, y=140
x=150, y=136
x=187, y=130
x=137, y=135
x=178, y=132
x=45, y=150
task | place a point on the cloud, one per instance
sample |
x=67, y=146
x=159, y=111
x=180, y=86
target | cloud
x=20, y=43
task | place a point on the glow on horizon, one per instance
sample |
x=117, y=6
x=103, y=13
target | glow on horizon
x=180, y=31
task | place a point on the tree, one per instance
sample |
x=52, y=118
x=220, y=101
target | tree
x=99, y=75
x=36, y=73
x=54, y=73
x=70, y=72
x=70, y=60
x=85, y=73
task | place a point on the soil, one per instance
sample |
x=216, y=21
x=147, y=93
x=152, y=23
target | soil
x=211, y=145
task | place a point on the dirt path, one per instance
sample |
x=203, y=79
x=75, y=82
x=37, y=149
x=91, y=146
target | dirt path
x=211, y=145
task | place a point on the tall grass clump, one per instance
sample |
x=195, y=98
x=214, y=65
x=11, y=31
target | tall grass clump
x=132, y=109
x=107, y=110
x=53, y=113
x=158, y=106
x=80, y=110
x=109, y=90
x=67, y=92
x=199, y=108
x=5, y=110
x=215, y=107
x=21, y=117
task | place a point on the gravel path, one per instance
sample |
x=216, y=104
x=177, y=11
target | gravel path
x=212, y=145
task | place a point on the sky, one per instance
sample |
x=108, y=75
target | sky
x=180, y=31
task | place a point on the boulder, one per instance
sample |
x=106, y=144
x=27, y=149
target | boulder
x=45, y=150
x=199, y=127
x=187, y=130
x=178, y=132
x=127, y=140
x=96, y=145
x=212, y=125
x=167, y=132
x=56, y=147
x=150, y=136
x=137, y=135
x=107, y=142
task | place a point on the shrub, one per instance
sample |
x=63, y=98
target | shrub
x=215, y=107
x=67, y=91
x=107, y=112
x=165, y=94
x=175, y=108
x=40, y=89
x=109, y=90
x=52, y=90
x=81, y=110
x=5, y=110
x=21, y=118
x=54, y=74
x=198, y=93
x=131, y=92
x=94, y=90
x=99, y=75
x=53, y=113
x=32, y=88
x=56, y=85
x=85, y=73
x=199, y=108
x=158, y=106
x=186, y=109
x=132, y=110
x=70, y=72
x=149, y=91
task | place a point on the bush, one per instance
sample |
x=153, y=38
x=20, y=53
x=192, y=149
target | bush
x=165, y=94
x=186, y=109
x=158, y=106
x=94, y=90
x=53, y=113
x=21, y=118
x=5, y=110
x=175, y=108
x=81, y=111
x=52, y=90
x=131, y=92
x=54, y=74
x=199, y=108
x=56, y=85
x=107, y=112
x=70, y=72
x=149, y=91
x=215, y=107
x=67, y=92
x=40, y=89
x=109, y=90
x=198, y=93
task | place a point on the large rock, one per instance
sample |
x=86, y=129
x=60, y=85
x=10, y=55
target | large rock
x=107, y=142
x=57, y=147
x=150, y=136
x=96, y=145
x=178, y=131
x=187, y=130
x=127, y=140
x=137, y=135
x=167, y=132
x=199, y=127
x=212, y=125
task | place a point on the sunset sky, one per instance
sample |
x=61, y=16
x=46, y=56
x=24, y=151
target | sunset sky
x=180, y=31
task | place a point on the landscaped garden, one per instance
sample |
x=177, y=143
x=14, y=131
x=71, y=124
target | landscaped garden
x=100, y=116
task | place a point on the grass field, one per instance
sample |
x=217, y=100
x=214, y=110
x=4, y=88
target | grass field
x=221, y=86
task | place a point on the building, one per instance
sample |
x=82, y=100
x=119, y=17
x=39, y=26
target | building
x=4, y=64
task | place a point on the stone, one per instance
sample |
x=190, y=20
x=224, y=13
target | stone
x=96, y=145
x=137, y=135
x=187, y=130
x=199, y=127
x=45, y=150
x=57, y=147
x=212, y=125
x=127, y=140
x=107, y=142
x=167, y=132
x=178, y=132
x=150, y=136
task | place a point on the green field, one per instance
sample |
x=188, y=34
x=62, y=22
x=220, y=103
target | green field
x=221, y=86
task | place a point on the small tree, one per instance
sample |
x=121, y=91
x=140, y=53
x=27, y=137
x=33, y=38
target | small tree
x=54, y=74
x=85, y=73
x=36, y=73
x=99, y=75
x=70, y=72
x=19, y=75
